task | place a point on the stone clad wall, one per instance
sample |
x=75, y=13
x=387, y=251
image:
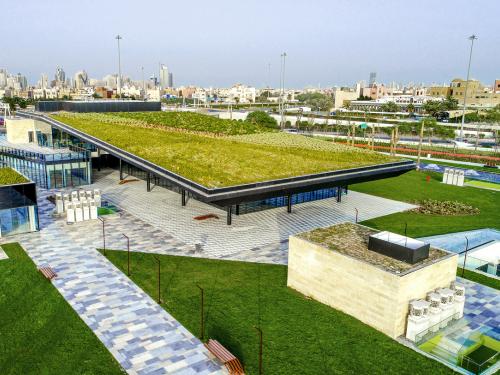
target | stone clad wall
x=370, y=294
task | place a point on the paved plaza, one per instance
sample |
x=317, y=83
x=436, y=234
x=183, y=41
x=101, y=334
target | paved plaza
x=256, y=237
x=143, y=337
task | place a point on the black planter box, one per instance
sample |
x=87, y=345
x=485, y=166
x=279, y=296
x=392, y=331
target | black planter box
x=399, y=247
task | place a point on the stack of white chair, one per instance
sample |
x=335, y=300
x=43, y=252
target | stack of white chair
x=454, y=177
x=79, y=205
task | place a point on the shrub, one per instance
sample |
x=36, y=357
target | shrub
x=446, y=208
x=263, y=119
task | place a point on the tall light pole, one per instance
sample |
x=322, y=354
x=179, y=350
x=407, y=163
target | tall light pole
x=118, y=38
x=282, y=93
x=472, y=38
x=143, y=84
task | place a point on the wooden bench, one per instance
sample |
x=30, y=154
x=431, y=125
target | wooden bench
x=48, y=272
x=229, y=360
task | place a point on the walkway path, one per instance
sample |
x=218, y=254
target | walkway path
x=143, y=337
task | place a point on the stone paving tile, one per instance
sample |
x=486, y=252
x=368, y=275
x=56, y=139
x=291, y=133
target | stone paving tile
x=260, y=236
x=122, y=316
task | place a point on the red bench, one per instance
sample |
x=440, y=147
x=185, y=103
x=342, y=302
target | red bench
x=48, y=272
x=229, y=360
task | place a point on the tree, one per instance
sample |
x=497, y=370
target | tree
x=389, y=107
x=262, y=118
x=432, y=107
x=449, y=104
x=317, y=101
x=422, y=124
x=410, y=108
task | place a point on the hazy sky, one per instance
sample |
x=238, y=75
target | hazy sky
x=218, y=43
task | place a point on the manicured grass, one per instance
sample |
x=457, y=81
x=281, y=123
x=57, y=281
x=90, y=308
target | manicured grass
x=39, y=331
x=218, y=161
x=478, y=278
x=301, y=336
x=8, y=176
x=483, y=184
x=413, y=187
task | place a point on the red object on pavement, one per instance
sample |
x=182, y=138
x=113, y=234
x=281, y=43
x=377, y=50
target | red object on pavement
x=428, y=178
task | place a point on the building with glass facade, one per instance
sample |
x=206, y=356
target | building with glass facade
x=40, y=152
x=18, y=209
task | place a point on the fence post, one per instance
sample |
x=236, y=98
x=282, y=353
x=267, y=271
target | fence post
x=202, y=312
x=260, y=349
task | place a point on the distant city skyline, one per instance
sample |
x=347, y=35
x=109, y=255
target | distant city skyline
x=327, y=43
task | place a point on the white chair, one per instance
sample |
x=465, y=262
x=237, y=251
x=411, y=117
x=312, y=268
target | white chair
x=445, y=175
x=70, y=213
x=59, y=203
x=455, y=177
x=97, y=197
x=93, y=209
x=74, y=196
x=78, y=211
x=86, y=210
x=89, y=194
x=81, y=195
x=461, y=178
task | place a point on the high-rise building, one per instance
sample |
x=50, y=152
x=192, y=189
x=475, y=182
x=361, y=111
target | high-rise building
x=373, y=78
x=163, y=76
x=3, y=78
x=60, y=77
x=44, y=81
x=22, y=82
x=81, y=79
x=170, y=80
x=111, y=81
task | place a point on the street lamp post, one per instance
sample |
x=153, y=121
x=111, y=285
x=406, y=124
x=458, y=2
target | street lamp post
x=143, y=84
x=159, y=278
x=472, y=38
x=128, y=253
x=118, y=38
x=103, y=235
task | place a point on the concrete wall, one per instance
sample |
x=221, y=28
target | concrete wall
x=370, y=294
x=18, y=129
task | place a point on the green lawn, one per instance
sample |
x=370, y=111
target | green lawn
x=39, y=331
x=413, y=187
x=301, y=336
x=483, y=184
x=216, y=161
x=8, y=176
x=479, y=278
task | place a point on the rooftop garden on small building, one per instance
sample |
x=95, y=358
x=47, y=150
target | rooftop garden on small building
x=8, y=176
x=216, y=152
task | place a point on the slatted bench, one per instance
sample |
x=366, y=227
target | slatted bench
x=229, y=360
x=48, y=272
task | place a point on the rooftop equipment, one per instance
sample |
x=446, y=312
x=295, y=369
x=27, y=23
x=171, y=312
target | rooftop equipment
x=399, y=247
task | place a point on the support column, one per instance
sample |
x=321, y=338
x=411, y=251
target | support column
x=98, y=160
x=346, y=188
x=229, y=214
x=289, y=204
x=148, y=182
x=237, y=209
x=339, y=194
x=121, y=170
x=183, y=197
